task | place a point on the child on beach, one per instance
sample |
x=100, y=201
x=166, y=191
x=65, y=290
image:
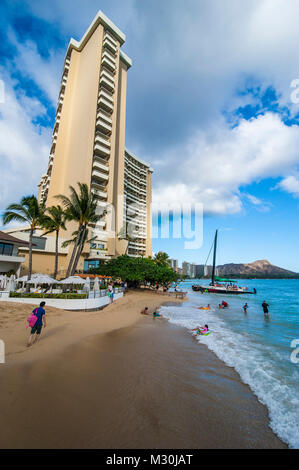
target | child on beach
x=40, y=322
x=200, y=330
x=144, y=311
x=111, y=293
x=156, y=313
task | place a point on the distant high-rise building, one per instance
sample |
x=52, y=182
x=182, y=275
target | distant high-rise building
x=189, y=269
x=200, y=270
x=173, y=263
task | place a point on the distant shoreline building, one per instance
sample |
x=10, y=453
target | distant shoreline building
x=88, y=146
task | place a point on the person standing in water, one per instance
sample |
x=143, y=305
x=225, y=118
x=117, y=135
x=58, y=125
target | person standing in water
x=265, y=308
x=245, y=307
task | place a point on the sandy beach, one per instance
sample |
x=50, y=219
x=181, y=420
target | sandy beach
x=118, y=379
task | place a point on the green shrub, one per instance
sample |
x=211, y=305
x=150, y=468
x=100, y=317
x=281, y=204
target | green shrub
x=48, y=296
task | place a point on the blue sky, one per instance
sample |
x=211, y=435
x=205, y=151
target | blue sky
x=208, y=105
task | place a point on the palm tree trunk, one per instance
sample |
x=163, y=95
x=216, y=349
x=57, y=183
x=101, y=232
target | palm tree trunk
x=78, y=254
x=69, y=269
x=29, y=261
x=56, y=255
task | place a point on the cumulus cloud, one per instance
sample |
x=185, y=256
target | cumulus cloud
x=24, y=146
x=45, y=72
x=211, y=168
x=290, y=184
x=190, y=66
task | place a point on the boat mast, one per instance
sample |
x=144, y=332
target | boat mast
x=214, y=258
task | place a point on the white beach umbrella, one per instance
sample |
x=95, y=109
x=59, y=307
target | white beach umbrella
x=73, y=280
x=22, y=279
x=96, y=286
x=42, y=279
x=5, y=280
x=11, y=283
x=87, y=285
x=2, y=282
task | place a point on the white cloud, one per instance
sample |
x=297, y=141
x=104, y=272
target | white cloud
x=46, y=73
x=24, y=146
x=193, y=59
x=214, y=167
x=290, y=184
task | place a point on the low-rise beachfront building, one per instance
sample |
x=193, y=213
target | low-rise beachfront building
x=88, y=146
x=10, y=251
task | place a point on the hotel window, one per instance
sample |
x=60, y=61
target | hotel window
x=6, y=249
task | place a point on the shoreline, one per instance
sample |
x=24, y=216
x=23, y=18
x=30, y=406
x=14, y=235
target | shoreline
x=65, y=328
x=145, y=385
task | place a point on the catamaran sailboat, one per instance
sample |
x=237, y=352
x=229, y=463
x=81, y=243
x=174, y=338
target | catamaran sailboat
x=221, y=285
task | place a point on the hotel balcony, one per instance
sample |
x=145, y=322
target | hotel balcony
x=103, y=126
x=108, y=62
x=110, y=38
x=101, y=166
x=102, y=139
x=107, y=74
x=106, y=95
x=109, y=56
x=109, y=45
x=98, y=192
x=105, y=104
x=104, y=116
x=99, y=174
x=106, y=83
x=99, y=149
x=98, y=254
x=100, y=224
x=99, y=189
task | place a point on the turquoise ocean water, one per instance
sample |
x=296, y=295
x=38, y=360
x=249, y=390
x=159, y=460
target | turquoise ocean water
x=258, y=349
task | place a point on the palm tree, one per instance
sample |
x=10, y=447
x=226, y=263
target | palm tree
x=54, y=222
x=161, y=258
x=80, y=207
x=31, y=212
x=124, y=234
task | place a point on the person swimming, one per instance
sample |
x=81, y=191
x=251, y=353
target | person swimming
x=202, y=307
x=201, y=330
x=245, y=307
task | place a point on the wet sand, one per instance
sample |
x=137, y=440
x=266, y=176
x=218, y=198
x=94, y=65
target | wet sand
x=149, y=385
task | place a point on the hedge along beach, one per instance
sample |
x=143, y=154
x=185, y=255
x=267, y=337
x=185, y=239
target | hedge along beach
x=118, y=379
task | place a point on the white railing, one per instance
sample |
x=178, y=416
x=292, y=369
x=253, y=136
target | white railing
x=104, y=292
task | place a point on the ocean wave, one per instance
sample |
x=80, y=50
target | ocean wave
x=259, y=365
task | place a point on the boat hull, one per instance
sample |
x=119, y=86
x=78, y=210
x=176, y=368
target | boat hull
x=219, y=290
